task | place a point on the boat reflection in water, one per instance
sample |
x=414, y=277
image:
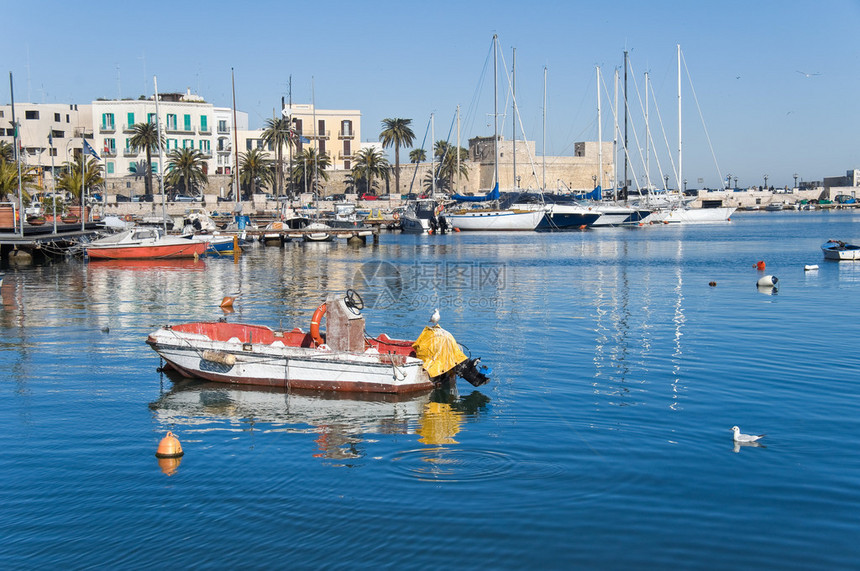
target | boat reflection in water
x=341, y=420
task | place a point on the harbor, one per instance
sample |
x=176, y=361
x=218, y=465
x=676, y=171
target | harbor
x=618, y=374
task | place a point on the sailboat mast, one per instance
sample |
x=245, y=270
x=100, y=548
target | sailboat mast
x=458, y=148
x=615, y=138
x=647, y=138
x=680, y=156
x=514, y=116
x=235, y=145
x=317, y=143
x=432, y=155
x=625, y=119
x=543, y=141
x=599, y=134
x=495, y=111
x=160, y=156
x=18, y=163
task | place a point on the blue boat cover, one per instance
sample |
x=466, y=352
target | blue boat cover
x=492, y=195
x=596, y=194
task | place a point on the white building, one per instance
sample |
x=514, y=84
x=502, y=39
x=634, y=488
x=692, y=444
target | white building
x=186, y=120
x=67, y=124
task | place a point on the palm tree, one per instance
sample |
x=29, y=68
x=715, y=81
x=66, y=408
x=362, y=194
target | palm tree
x=255, y=168
x=70, y=179
x=185, y=166
x=447, y=168
x=369, y=162
x=417, y=156
x=146, y=137
x=7, y=152
x=397, y=132
x=277, y=133
x=305, y=167
x=9, y=179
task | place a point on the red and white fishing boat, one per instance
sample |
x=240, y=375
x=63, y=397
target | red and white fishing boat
x=145, y=243
x=341, y=359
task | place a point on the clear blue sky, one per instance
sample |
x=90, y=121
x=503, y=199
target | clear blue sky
x=410, y=59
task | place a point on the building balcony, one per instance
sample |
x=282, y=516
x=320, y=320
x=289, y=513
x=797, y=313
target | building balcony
x=129, y=152
x=341, y=156
x=107, y=128
x=346, y=134
x=223, y=131
x=83, y=132
x=126, y=128
x=206, y=153
x=109, y=152
x=174, y=130
x=205, y=130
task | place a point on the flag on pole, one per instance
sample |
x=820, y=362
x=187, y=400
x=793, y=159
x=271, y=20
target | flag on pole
x=51, y=138
x=88, y=150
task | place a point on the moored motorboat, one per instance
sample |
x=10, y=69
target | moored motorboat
x=839, y=250
x=145, y=243
x=342, y=359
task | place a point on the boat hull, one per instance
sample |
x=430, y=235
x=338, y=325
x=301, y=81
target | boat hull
x=276, y=365
x=138, y=252
x=840, y=251
x=690, y=216
x=483, y=220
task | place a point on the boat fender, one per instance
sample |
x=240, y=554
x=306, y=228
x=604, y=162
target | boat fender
x=767, y=281
x=316, y=319
x=218, y=357
x=809, y=268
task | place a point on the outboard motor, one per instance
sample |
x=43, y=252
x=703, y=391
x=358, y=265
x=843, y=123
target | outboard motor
x=475, y=373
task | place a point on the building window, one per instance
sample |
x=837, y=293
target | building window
x=31, y=114
x=67, y=118
x=186, y=121
x=204, y=147
x=187, y=143
x=171, y=121
x=110, y=147
x=172, y=144
x=56, y=117
x=204, y=124
x=222, y=126
x=130, y=118
x=346, y=128
x=347, y=147
x=322, y=146
x=107, y=121
x=110, y=167
x=150, y=117
x=58, y=134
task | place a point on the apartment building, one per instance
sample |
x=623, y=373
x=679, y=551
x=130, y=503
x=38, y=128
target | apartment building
x=66, y=124
x=187, y=122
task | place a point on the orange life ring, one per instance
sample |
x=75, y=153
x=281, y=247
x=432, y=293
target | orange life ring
x=315, y=324
x=128, y=217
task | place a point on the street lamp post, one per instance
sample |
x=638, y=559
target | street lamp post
x=765, y=182
x=736, y=182
x=795, y=180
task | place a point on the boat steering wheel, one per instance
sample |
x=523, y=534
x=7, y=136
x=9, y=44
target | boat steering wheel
x=353, y=302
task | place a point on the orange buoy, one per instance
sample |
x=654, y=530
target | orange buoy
x=760, y=265
x=169, y=447
x=456, y=229
x=228, y=301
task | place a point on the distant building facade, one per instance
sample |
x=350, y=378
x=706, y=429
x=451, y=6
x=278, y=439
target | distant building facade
x=66, y=123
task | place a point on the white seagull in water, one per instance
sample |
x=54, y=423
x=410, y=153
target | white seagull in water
x=434, y=319
x=738, y=437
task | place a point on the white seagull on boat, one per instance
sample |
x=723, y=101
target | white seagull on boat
x=434, y=319
x=738, y=437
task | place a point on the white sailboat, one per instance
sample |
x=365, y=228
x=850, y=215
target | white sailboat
x=494, y=218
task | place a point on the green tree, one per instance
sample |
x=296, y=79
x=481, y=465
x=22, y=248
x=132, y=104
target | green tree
x=446, y=167
x=308, y=164
x=277, y=133
x=255, y=169
x=145, y=137
x=370, y=163
x=186, y=167
x=396, y=133
x=7, y=152
x=70, y=179
x=9, y=180
x=417, y=156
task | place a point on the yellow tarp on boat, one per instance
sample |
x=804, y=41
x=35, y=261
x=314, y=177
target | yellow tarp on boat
x=439, y=351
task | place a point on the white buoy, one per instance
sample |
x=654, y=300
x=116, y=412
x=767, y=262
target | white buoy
x=809, y=268
x=767, y=281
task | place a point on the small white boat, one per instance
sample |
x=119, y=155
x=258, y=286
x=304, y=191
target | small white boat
x=839, y=250
x=317, y=232
x=342, y=359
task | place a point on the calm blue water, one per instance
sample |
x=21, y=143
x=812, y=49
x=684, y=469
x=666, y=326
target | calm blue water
x=602, y=440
